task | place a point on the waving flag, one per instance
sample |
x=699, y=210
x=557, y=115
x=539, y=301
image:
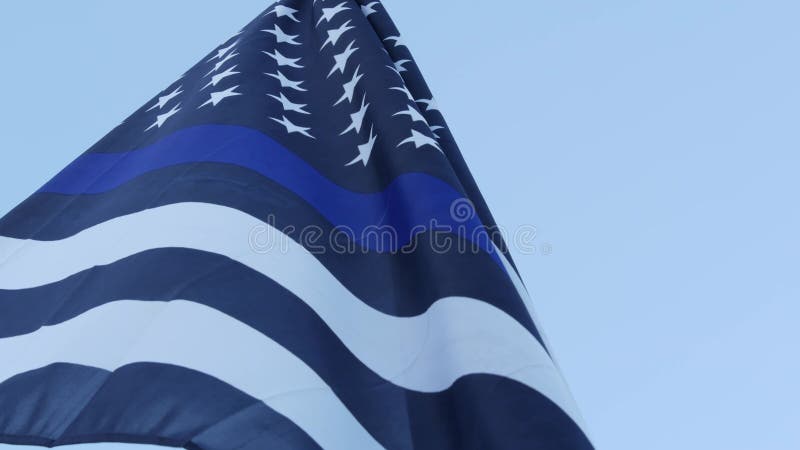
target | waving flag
x=282, y=250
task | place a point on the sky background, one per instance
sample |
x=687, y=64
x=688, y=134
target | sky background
x=655, y=146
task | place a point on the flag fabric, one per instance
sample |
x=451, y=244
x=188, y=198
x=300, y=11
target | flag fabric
x=284, y=249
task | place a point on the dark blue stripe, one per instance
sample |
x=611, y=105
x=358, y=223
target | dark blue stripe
x=399, y=283
x=411, y=201
x=172, y=406
x=384, y=409
x=141, y=403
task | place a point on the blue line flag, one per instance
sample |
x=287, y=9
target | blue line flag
x=284, y=249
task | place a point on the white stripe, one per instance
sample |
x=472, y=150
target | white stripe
x=200, y=338
x=428, y=353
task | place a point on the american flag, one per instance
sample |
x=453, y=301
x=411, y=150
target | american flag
x=284, y=249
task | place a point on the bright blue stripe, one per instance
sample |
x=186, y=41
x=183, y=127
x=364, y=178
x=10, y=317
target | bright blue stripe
x=411, y=202
x=400, y=284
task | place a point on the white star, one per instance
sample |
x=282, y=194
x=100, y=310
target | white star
x=430, y=104
x=222, y=62
x=369, y=9
x=403, y=89
x=292, y=128
x=220, y=76
x=420, y=140
x=398, y=65
x=330, y=13
x=284, y=11
x=162, y=118
x=434, y=130
x=284, y=61
x=223, y=51
x=357, y=118
x=288, y=105
x=413, y=113
x=217, y=97
x=164, y=99
x=350, y=87
x=282, y=37
x=398, y=41
x=285, y=82
x=336, y=34
x=342, y=58
x=365, y=150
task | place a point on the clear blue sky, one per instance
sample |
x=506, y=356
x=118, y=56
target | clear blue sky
x=655, y=145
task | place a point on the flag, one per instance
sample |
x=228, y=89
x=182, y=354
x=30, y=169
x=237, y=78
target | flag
x=284, y=249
